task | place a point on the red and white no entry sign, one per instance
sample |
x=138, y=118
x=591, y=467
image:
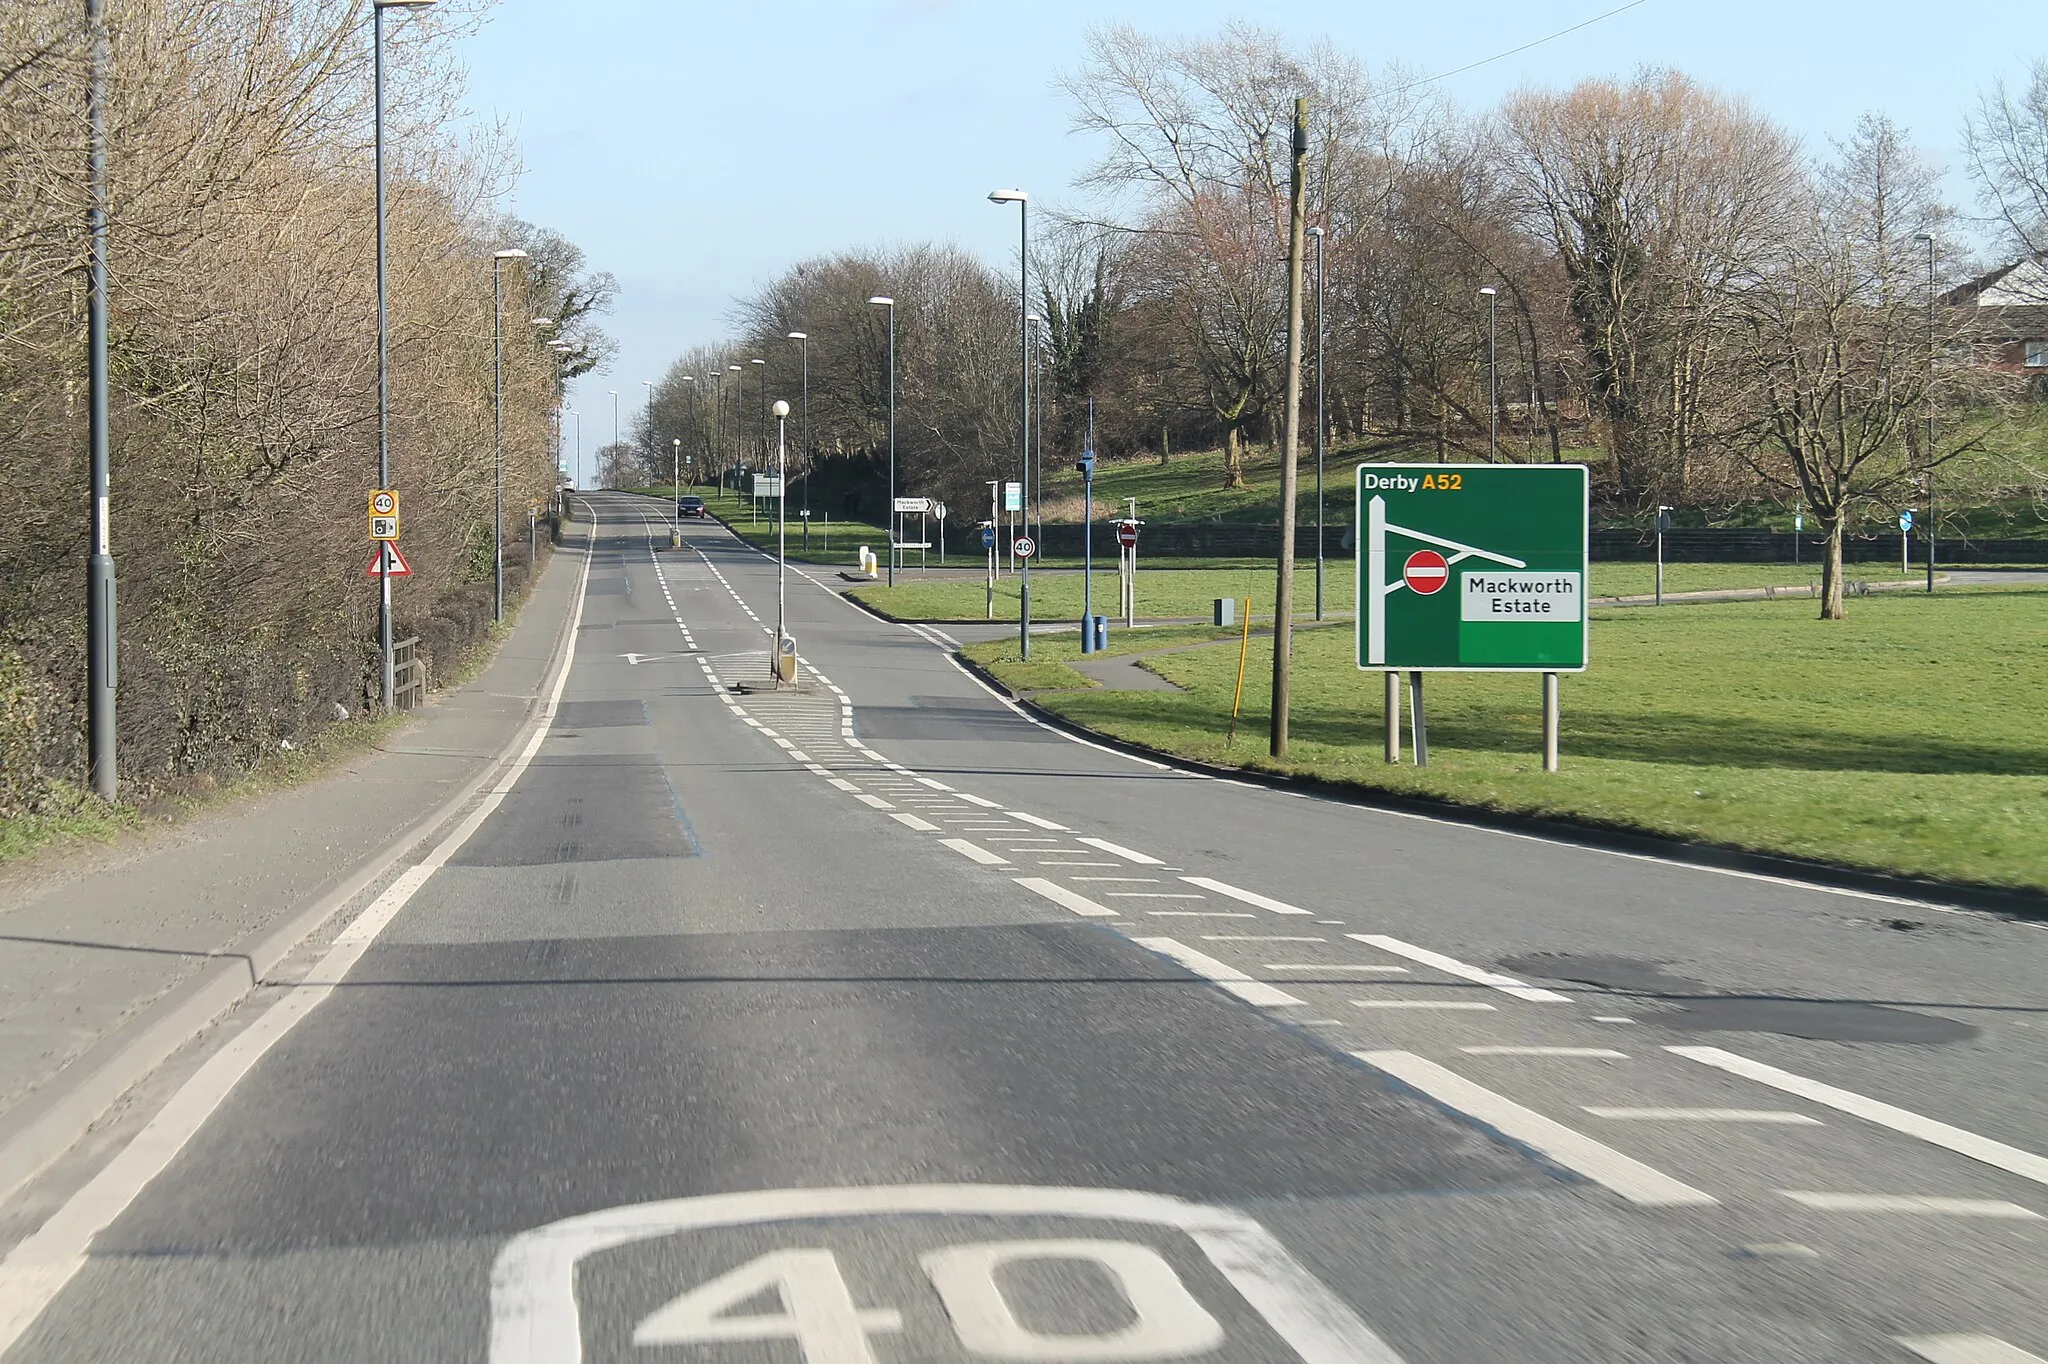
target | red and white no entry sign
x=1126, y=533
x=1425, y=572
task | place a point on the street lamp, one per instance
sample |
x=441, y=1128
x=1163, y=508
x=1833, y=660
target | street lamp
x=1037, y=515
x=762, y=397
x=1928, y=237
x=390, y=676
x=884, y=301
x=615, y=433
x=577, y=417
x=1023, y=203
x=1492, y=377
x=782, y=643
x=498, y=259
x=738, y=408
x=1321, y=424
x=102, y=639
x=803, y=340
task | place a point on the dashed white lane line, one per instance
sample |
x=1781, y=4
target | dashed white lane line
x=1760, y=1115
x=1198, y=914
x=1252, y=937
x=1477, y=1006
x=842, y=783
x=1064, y=898
x=1451, y=966
x=923, y=826
x=1035, y=821
x=1147, y=895
x=1588, y=1053
x=1250, y=897
x=1318, y=966
x=2011, y=1159
x=1967, y=1350
x=1906, y=1203
x=1602, y=1164
x=875, y=802
x=1228, y=977
x=975, y=852
x=934, y=783
x=1128, y=855
x=982, y=802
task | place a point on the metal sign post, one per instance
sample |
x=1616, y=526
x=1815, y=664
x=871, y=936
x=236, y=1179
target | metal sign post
x=1471, y=568
x=1905, y=543
x=1024, y=547
x=1127, y=571
x=1663, y=524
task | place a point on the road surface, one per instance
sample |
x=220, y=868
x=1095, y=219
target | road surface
x=876, y=1022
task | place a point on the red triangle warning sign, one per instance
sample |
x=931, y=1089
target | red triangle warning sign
x=387, y=561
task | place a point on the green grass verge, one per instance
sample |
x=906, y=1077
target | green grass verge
x=1169, y=592
x=1904, y=739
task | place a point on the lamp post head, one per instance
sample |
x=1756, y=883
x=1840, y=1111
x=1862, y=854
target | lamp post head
x=677, y=442
x=733, y=368
x=1486, y=293
x=883, y=301
x=400, y=4
x=799, y=336
x=1316, y=232
x=513, y=254
x=1008, y=196
x=781, y=408
x=757, y=360
x=689, y=378
x=543, y=322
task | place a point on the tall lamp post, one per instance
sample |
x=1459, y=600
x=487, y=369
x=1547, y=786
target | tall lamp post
x=102, y=733
x=1036, y=516
x=1492, y=298
x=738, y=408
x=781, y=537
x=885, y=301
x=1928, y=237
x=498, y=259
x=803, y=341
x=577, y=418
x=1316, y=233
x=615, y=433
x=390, y=676
x=1023, y=203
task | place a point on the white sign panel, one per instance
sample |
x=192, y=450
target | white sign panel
x=1492, y=595
x=1013, y=497
x=913, y=504
x=767, y=485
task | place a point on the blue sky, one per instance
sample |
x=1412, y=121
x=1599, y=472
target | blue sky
x=697, y=150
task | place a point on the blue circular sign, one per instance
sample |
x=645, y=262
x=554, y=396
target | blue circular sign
x=988, y=537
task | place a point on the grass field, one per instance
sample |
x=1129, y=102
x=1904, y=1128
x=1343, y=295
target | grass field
x=1908, y=738
x=1170, y=592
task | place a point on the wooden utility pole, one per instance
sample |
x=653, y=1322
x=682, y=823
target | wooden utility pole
x=1283, y=609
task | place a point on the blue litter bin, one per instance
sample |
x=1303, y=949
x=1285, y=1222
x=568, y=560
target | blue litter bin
x=1098, y=633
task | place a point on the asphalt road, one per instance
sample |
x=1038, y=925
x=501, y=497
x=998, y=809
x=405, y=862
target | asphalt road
x=876, y=1022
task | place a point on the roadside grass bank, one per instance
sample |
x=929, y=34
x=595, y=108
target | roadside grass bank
x=1907, y=739
x=1174, y=591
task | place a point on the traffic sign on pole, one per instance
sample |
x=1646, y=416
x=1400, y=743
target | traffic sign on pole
x=387, y=562
x=988, y=537
x=1127, y=533
x=384, y=502
x=383, y=528
x=1508, y=541
x=1013, y=497
x=913, y=504
x=1025, y=547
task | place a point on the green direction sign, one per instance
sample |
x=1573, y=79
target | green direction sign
x=1472, y=567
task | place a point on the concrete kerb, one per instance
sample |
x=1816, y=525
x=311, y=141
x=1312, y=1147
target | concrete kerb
x=2016, y=904
x=51, y=1120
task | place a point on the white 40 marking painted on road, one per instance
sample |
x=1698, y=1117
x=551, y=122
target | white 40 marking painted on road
x=537, y=1319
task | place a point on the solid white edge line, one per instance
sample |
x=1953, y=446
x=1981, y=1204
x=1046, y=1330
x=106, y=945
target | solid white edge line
x=1575, y=1151
x=1219, y=973
x=1250, y=897
x=38, y=1268
x=1967, y=1350
x=1913, y=1203
x=2011, y=1159
x=1451, y=966
x=1781, y=1116
x=1064, y=898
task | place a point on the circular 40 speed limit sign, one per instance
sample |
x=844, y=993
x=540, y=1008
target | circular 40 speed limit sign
x=1025, y=547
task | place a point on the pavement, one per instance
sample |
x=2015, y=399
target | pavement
x=874, y=1021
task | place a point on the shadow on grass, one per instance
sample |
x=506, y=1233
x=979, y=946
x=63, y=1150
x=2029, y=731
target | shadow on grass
x=1680, y=739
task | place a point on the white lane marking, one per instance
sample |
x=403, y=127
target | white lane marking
x=1198, y=914
x=1576, y=1151
x=2011, y=1159
x=1611, y=1018
x=934, y=783
x=37, y=1269
x=1967, y=1350
x=1248, y=896
x=1229, y=977
x=1064, y=898
x=536, y=1319
x=876, y=801
x=975, y=852
x=1763, y=1115
x=1036, y=821
x=1451, y=966
x=1316, y=966
x=800, y=757
x=1104, y=845
x=1937, y=1207
x=1121, y=880
x=923, y=826
x=1591, y=1053
x=1252, y=937
x=842, y=783
x=1053, y=862
x=1150, y=895
x=1461, y=1005
x=780, y=741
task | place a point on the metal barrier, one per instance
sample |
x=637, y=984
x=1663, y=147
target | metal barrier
x=410, y=669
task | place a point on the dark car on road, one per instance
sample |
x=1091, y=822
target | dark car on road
x=691, y=506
